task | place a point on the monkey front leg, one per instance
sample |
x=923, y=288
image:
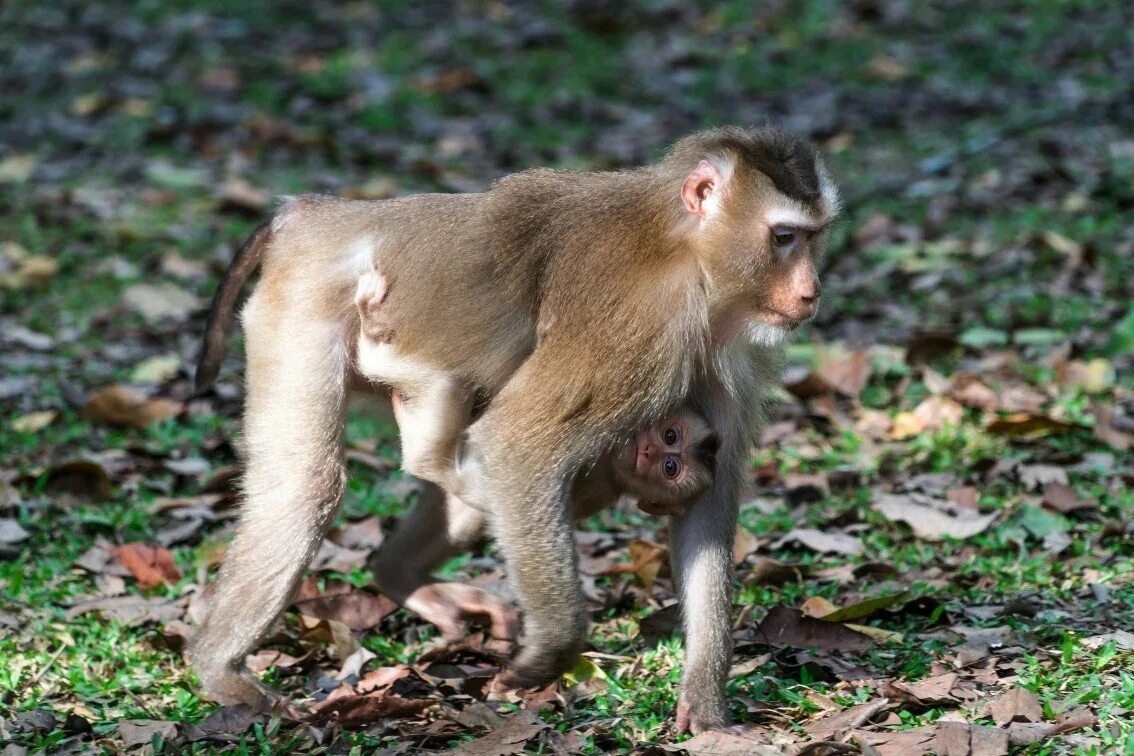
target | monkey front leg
x=439, y=527
x=701, y=549
x=531, y=519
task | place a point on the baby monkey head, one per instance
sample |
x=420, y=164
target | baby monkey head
x=670, y=462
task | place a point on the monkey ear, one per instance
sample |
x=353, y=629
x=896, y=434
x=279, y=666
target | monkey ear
x=701, y=190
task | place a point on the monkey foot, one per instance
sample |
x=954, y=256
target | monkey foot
x=696, y=722
x=451, y=606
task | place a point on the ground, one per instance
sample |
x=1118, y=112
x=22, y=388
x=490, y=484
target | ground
x=936, y=548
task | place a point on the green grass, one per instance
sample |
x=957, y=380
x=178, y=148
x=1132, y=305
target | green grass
x=546, y=87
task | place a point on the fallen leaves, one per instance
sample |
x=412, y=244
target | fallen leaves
x=158, y=302
x=1015, y=705
x=822, y=542
x=784, y=626
x=358, y=610
x=124, y=406
x=933, y=413
x=931, y=519
x=350, y=710
x=150, y=567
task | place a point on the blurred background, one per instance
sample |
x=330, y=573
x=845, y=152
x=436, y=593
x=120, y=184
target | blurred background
x=977, y=320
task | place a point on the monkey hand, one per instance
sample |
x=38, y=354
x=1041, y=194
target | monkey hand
x=660, y=509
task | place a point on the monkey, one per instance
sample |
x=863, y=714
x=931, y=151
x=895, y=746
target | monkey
x=661, y=467
x=665, y=286
x=665, y=467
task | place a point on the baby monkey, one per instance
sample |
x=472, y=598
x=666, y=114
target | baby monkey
x=666, y=467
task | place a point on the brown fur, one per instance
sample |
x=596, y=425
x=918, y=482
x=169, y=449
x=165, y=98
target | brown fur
x=654, y=283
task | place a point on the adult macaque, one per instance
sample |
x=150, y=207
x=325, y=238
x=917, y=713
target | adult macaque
x=663, y=287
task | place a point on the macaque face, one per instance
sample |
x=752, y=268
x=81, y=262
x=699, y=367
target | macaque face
x=764, y=247
x=670, y=462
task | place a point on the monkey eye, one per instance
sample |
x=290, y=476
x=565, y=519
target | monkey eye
x=671, y=436
x=671, y=466
x=783, y=237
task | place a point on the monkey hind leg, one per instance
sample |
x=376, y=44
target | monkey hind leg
x=293, y=483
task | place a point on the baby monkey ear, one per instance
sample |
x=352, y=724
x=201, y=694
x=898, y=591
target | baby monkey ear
x=700, y=192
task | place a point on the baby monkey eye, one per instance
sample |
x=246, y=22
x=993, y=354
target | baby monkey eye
x=671, y=466
x=671, y=436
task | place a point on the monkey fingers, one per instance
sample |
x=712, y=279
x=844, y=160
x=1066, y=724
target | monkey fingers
x=451, y=606
x=368, y=297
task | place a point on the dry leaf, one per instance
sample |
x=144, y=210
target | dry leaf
x=739, y=741
x=971, y=392
x=11, y=532
x=353, y=664
x=774, y=572
x=131, y=610
x=360, y=534
x=661, y=624
x=150, y=567
x=1106, y=428
x=137, y=732
x=743, y=544
x=932, y=524
x=238, y=194
x=334, y=558
x=120, y=405
x=1035, y=476
x=1062, y=498
x=785, y=626
x=647, y=560
x=1029, y=425
x=358, y=610
x=846, y=374
x=858, y=610
x=964, y=739
x=935, y=691
x=34, y=422
x=824, y=543
x=225, y=721
x=349, y=711
x=16, y=169
x=157, y=302
x=82, y=477
x=156, y=370
x=933, y=413
x=1015, y=705
x=913, y=742
x=508, y=739
x=838, y=725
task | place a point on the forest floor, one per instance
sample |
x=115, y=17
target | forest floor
x=936, y=549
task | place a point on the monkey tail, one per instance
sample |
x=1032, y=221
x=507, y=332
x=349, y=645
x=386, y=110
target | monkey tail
x=247, y=259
